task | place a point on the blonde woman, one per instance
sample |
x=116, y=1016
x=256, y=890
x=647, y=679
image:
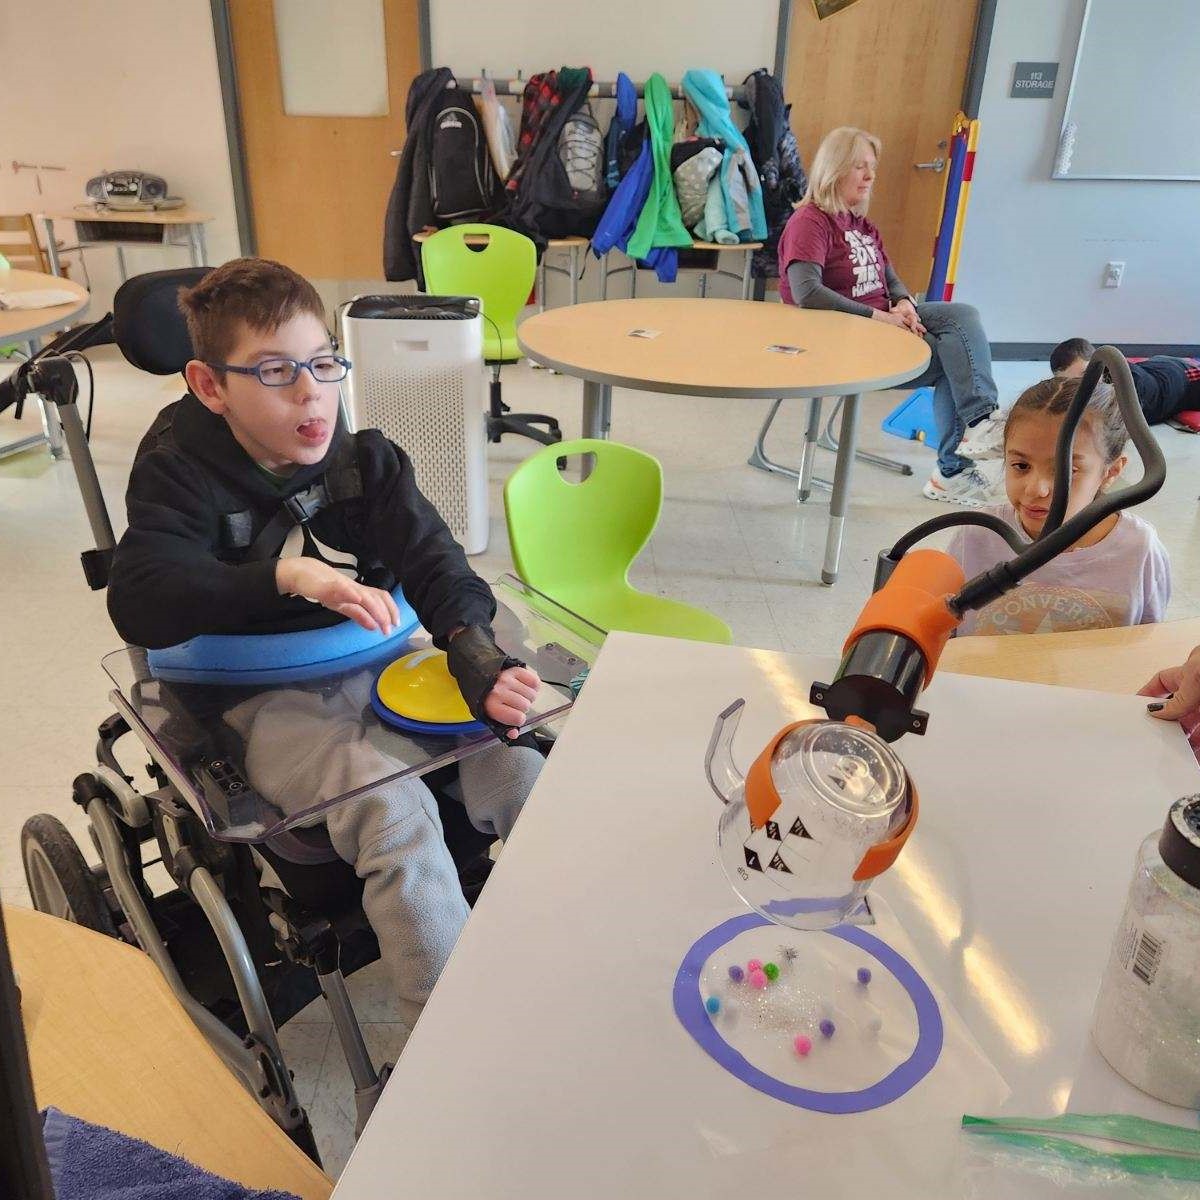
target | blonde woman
x=831, y=256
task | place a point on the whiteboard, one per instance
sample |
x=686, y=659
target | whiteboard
x=1134, y=99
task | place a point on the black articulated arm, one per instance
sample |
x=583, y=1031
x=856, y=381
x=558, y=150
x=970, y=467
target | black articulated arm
x=893, y=649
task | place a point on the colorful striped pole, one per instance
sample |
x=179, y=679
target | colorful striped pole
x=955, y=194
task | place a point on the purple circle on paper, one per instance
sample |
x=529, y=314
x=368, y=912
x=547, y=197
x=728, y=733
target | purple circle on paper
x=689, y=1008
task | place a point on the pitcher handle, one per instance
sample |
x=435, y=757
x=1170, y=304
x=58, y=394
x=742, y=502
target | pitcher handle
x=723, y=775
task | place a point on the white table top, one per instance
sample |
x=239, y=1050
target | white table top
x=721, y=348
x=549, y=1061
x=25, y=323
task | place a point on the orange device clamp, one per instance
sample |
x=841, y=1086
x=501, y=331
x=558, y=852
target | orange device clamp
x=883, y=854
x=913, y=604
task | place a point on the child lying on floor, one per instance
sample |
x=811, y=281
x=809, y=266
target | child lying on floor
x=1165, y=386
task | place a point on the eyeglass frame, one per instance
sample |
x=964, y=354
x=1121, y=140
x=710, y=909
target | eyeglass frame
x=257, y=368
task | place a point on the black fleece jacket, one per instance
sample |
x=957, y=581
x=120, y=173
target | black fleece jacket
x=194, y=495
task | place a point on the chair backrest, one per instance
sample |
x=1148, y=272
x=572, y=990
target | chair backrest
x=19, y=243
x=496, y=264
x=148, y=326
x=570, y=538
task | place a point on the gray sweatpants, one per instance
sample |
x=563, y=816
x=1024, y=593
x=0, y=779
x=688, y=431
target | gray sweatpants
x=303, y=747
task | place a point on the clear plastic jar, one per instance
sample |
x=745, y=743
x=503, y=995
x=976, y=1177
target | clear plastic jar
x=1147, y=1016
x=841, y=791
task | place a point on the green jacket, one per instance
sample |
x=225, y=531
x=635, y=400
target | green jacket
x=661, y=222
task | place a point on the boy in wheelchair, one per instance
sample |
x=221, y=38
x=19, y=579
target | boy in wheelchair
x=251, y=510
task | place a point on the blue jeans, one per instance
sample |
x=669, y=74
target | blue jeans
x=960, y=371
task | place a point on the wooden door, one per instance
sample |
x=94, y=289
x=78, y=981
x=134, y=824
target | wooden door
x=319, y=185
x=897, y=69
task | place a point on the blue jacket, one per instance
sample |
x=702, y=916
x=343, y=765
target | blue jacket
x=622, y=122
x=625, y=205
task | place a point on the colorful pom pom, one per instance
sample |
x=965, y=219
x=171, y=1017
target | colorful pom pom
x=713, y=1004
x=755, y=964
x=736, y=973
x=802, y=1044
x=827, y=1028
x=758, y=980
x=771, y=971
x=864, y=975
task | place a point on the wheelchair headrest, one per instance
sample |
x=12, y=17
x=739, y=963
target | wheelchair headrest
x=147, y=324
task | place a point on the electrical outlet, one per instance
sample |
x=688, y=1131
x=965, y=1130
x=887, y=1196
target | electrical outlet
x=1114, y=272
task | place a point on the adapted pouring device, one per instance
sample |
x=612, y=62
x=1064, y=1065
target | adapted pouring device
x=823, y=810
x=827, y=805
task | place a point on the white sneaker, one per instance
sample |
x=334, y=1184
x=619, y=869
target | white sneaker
x=969, y=488
x=985, y=439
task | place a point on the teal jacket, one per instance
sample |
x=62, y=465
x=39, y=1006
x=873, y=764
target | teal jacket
x=706, y=91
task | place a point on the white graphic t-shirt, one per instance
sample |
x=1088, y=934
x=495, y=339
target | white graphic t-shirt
x=1124, y=579
x=863, y=252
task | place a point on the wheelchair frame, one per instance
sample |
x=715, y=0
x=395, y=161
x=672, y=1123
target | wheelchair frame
x=214, y=876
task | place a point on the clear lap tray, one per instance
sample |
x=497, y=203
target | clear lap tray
x=184, y=725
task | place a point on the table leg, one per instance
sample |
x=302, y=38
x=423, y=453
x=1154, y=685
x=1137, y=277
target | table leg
x=703, y=288
x=605, y=408
x=574, y=275
x=604, y=276
x=121, y=263
x=51, y=246
x=541, y=284
x=748, y=255
x=21, y=445
x=196, y=243
x=808, y=452
x=762, y=462
x=841, y=490
x=633, y=279
x=593, y=409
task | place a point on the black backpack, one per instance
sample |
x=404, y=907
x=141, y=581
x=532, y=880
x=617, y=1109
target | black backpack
x=462, y=180
x=777, y=156
x=549, y=204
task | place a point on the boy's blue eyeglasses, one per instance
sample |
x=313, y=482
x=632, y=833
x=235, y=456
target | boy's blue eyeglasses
x=283, y=372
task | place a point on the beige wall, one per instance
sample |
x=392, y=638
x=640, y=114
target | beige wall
x=96, y=85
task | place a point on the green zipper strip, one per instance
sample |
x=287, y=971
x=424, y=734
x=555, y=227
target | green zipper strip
x=1136, y=1131
x=1114, y=1127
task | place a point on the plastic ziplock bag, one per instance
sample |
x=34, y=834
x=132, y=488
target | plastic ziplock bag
x=1163, y=1160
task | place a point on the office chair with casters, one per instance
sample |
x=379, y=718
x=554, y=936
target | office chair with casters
x=498, y=265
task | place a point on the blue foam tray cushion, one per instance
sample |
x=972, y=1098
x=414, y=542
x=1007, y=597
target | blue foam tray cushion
x=276, y=657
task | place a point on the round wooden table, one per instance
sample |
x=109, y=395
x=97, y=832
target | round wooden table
x=30, y=324
x=735, y=348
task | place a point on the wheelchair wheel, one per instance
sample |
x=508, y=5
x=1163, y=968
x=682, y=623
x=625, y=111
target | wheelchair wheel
x=60, y=881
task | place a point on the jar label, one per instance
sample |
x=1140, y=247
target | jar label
x=1140, y=952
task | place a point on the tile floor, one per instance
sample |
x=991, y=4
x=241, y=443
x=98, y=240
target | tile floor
x=730, y=538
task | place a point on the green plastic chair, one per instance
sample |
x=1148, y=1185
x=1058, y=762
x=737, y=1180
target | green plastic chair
x=500, y=272
x=577, y=541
